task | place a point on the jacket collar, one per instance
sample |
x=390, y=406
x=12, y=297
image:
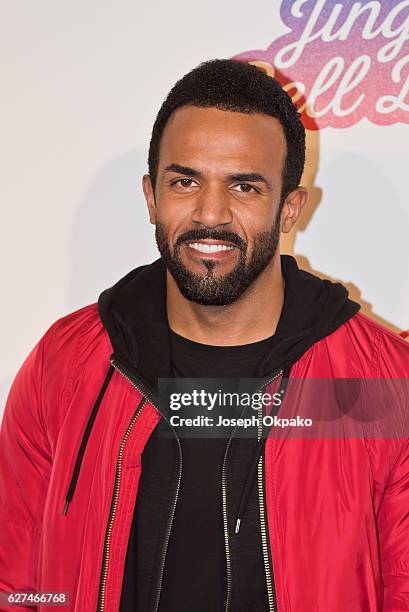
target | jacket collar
x=133, y=311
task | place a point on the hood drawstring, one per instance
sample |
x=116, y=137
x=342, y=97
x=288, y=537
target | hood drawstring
x=84, y=440
x=258, y=451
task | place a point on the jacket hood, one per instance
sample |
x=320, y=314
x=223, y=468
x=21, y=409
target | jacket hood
x=133, y=312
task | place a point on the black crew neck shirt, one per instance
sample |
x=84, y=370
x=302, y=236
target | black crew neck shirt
x=195, y=569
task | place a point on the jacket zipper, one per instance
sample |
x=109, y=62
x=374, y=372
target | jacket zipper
x=114, y=503
x=225, y=526
x=268, y=573
x=272, y=604
x=104, y=572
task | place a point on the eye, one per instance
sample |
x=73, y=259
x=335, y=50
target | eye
x=246, y=188
x=184, y=182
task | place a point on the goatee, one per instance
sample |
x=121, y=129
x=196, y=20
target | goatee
x=209, y=289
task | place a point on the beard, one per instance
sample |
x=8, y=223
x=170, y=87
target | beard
x=208, y=289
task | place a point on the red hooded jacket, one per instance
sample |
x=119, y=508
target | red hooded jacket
x=336, y=510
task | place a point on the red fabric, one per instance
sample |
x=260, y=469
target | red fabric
x=322, y=496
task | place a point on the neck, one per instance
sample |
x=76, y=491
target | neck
x=252, y=317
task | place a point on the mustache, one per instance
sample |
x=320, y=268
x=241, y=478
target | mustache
x=202, y=234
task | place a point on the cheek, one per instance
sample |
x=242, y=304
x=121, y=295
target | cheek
x=173, y=222
x=253, y=224
x=169, y=211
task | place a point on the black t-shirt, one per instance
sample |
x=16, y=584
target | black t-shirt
x=195, y=570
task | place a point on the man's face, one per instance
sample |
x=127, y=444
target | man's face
x=217, y=198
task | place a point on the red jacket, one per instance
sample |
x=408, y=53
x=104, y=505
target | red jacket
x=337, y=510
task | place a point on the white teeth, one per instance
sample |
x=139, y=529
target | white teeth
x=210, y=248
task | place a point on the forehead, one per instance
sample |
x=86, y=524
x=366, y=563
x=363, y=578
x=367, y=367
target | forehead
x=223, y=140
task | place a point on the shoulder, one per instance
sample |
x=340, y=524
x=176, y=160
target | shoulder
x=72, y=342
x=78, y=334
x=387, y=352
x=45, y=382
x=81, y=326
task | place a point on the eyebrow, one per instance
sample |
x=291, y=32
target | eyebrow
x=250, y=177
x=182, y=170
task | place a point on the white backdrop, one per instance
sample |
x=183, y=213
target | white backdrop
x=81, y=83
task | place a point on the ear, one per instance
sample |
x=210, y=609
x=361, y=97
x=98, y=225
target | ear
x=292, y=207
x=149, y=196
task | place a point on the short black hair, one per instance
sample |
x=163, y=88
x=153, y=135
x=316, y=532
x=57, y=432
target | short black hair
x=235, y=85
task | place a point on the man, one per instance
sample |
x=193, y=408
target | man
x=97, y=502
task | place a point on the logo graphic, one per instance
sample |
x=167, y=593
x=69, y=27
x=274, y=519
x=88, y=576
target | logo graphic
x=342, y=62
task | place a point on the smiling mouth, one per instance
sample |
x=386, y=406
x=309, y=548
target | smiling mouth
x=211, y=246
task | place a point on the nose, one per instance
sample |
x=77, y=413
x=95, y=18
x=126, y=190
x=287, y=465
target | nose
x=212, y=207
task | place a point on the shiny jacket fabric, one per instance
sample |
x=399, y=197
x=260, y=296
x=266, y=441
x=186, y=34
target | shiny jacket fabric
x=337, y=509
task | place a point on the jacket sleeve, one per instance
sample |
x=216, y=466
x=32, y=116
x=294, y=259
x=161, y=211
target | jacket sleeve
x=25, y=467
x=394, y=537
x=393, y=518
